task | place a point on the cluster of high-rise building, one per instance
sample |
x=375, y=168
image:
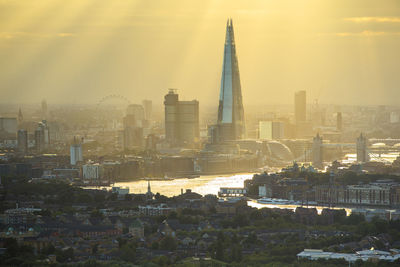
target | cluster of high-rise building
x=182, y=117
x=18, y=139
x=304, y=133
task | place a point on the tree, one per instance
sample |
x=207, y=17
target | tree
x=219, y=252
x=12, y=246
x=49, y=249
x=83, y=198
x=63, y=256
x=112, y=197
x=128, y=252
x=354, y=219
x=168, y=243
x=240, y=221
x=381, y=226
x=99, y=197
x=95, y=248
x=96, y=214
x=212, y=210
x=172, y=215
x=236, y=253
x=256, y=215
x=90, y=263
x=154, y=245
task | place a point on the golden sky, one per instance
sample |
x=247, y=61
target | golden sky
x=77, y=51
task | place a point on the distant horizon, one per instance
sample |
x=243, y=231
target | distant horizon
x=160, y=104
x=79, y=51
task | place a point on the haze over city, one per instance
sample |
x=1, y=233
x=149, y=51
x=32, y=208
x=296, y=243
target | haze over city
x=199, y=133
x=341, y=52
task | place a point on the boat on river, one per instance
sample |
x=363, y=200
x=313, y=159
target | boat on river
x=277, y=201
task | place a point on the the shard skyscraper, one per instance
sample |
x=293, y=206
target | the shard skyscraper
x=230, y=125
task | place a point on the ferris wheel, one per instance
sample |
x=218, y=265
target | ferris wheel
x=109, y=109
x=110, y=98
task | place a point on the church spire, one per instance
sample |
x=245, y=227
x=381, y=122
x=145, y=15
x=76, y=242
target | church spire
x=149, y=194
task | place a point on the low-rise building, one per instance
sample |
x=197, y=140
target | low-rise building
x=91, y=171
x=136, y=229
x=379, y=195
x=364, y=255
x=149, y=210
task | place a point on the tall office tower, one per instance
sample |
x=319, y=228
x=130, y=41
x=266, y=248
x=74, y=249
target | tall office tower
x=277, y=130
x=8, y=128
x=132, y=137
x=317, y=151
x=171, y=107
x=270, y=130
x=361, y=146
x=188, y=117
x=148, y=109
x=76, y=154
x=300, y=106
x=46, y=131
x=39, y=140
x=339, y=122
x=138, y=112
x=42, y=136
x=44, y=109
x=22, y=140
x=265, y=130
x=132, y=134
x=394, y=117
x=230, y=124
x=181, y=120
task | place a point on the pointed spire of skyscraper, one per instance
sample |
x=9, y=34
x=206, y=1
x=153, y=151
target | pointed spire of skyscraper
x=232, y=33
x=230, y=110
x=20, y=116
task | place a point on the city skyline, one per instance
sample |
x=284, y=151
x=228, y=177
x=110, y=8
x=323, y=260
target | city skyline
x=350, y=55
x=129, y=137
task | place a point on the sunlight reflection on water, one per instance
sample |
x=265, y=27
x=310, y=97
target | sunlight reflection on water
x=203, y=185
x=208, y=184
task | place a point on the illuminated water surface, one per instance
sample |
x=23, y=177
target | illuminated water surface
x=208, y=184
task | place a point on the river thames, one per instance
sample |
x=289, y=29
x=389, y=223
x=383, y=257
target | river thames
x=207, y=184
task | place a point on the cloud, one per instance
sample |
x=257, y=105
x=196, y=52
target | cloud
x=373, y=19
x=6, y=35
x=65, y=34
x=366, y=33
x=14, y=35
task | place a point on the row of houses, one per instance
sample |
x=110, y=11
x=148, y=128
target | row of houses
x=385, y=193
x=368, y=194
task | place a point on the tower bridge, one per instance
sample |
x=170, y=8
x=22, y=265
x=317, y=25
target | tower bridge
x=365, y=149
